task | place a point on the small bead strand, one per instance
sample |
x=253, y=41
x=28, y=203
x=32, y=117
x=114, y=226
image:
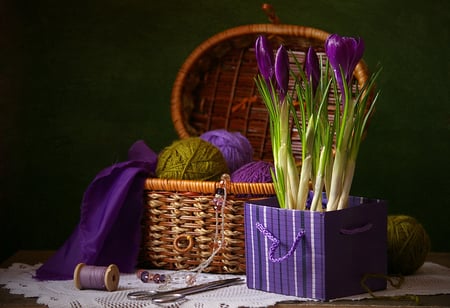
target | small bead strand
x=190, y=276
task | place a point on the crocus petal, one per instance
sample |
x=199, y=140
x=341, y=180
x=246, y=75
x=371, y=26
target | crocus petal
x=312, y=68
x=337, y=55
x=332, y=46
x=282, y=71
x=264, y=57
x=345, y=53
x=356, y=45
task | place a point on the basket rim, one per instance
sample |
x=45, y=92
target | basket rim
x=208, y=187
x=360, y=72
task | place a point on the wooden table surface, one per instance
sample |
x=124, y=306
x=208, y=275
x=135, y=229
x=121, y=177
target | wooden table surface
x=32, y=257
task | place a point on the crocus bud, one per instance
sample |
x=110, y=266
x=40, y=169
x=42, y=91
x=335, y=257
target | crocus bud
x=282, y=71
x=345, y=53
x=264, y=57
x=312, y=68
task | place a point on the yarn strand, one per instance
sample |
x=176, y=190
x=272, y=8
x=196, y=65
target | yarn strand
x=395, y=281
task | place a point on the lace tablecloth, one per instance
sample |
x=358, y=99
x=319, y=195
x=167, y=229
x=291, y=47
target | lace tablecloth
x=430, y=279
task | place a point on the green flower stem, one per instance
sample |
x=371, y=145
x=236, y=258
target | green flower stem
x=281, y=173
x=342, y=152
x=303, y=187
x=279, y=151
x=356, y=122
x=328, y=172
x=293, y=180
x=336, y=180
x=277, y=133
x=358, y=131
x=279, y=188
x=285, y=178
x=285, y=157
x=319, y=182
x=349, y=172
x=307, y=164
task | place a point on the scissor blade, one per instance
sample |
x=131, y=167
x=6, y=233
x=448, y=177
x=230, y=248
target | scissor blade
x=201, y=287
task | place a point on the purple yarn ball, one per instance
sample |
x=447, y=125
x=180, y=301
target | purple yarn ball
x=253, y=172
x=235, y=147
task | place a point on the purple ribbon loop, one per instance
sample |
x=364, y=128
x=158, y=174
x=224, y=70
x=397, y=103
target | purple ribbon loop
x=276, y=243
x=353, y=231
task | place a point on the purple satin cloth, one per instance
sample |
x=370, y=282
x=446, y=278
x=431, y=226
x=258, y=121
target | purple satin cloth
x=109, y=230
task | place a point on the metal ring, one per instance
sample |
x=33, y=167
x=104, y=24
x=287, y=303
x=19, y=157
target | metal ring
x=183, y=237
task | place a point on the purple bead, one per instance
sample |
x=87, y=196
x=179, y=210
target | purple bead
x=138, y=273
x=162, y=278
x=145, y=276
x=156, y=278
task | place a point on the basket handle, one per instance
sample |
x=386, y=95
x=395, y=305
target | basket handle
x=270, y=12
x=276, y=243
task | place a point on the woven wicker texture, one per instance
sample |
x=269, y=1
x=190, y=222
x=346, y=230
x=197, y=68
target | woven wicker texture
x=215, y=89
x=180, y=224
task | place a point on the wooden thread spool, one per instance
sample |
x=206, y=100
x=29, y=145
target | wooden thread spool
x=96, y=277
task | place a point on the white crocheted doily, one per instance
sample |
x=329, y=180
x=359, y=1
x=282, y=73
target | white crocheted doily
x=430, y=279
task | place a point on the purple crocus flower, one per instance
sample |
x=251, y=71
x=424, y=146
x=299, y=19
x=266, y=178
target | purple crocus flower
x=312, y=68
x=282, y=71
x=264, y=58
x=345, y=53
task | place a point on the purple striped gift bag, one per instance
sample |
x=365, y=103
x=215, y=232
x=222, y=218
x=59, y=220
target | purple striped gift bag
x=317, y=255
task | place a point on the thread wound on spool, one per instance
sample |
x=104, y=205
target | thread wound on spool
x=96, y=277
x=191, y=159
x=408, y=244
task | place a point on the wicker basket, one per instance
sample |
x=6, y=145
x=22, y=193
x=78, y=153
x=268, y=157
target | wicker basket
x=215, y=89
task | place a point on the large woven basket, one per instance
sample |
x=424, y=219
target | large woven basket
x=215, y=89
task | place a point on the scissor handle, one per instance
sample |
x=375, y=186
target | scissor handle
x=168, y=298
x=141, y=295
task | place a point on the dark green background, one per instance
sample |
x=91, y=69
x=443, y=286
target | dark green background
x=80, y=81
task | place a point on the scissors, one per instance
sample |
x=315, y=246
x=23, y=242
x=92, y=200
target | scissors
x=178, y=294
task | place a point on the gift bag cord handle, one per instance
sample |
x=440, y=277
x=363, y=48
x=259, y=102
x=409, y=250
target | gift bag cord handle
x=362, y=229
x=276, y=243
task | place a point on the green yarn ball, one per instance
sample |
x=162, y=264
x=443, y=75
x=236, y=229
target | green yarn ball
x=408, y=244
x=191, y=159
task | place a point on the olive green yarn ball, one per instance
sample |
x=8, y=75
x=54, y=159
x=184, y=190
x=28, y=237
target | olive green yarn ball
x=191, y=159
x=408, y=244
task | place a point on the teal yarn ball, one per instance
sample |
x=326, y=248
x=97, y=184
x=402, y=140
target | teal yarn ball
x=191, y=159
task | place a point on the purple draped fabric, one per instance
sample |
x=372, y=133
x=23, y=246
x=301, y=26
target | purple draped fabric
x=109, y=230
